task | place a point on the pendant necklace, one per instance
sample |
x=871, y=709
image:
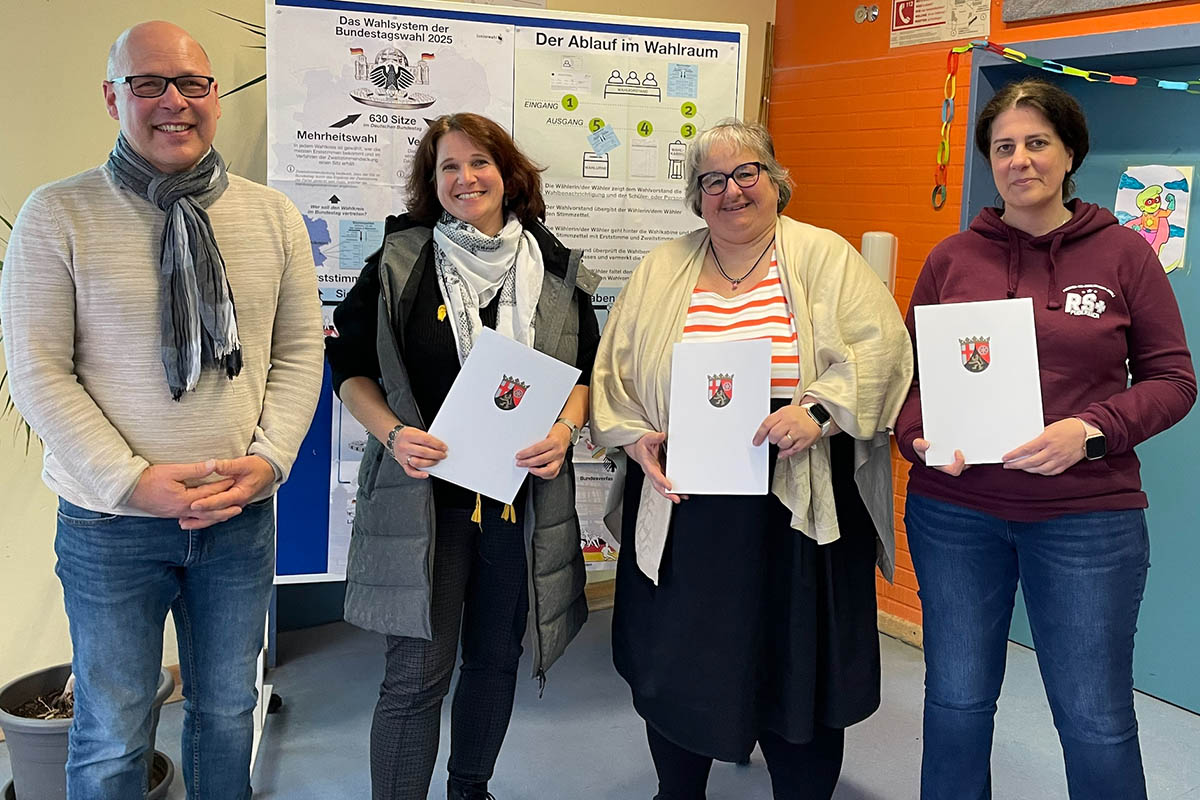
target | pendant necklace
x=734, y=282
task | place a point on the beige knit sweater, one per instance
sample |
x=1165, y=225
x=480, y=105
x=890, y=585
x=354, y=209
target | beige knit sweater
x=80, y=309
x=855, y=357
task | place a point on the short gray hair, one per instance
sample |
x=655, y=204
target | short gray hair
x=735, y=135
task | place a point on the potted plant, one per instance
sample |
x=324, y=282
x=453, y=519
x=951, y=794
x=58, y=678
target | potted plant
x=37, y=747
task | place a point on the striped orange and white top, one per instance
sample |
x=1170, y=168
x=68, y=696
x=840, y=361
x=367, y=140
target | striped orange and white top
x=761, y=313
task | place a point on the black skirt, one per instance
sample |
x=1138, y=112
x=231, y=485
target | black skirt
x=753, y=626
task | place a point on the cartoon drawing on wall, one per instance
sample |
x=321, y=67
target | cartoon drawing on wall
x=390, y=77
x=1154, y=200
x=633, y=86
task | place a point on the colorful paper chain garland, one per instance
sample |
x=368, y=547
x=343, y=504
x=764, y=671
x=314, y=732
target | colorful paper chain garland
x=938, y=197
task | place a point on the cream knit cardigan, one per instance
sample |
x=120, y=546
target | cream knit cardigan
x=855, y=357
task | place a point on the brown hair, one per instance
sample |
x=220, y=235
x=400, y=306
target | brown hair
x=1059, y=108
x=522, y=179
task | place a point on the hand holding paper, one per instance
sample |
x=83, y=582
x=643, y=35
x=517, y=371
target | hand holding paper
x=720, y=395
x=545, y=458
x=648, y=453
x=416, y=451
x=791, y=428
x=1059, y=446
x=980, y=386
x=505, y=396
x=956, y=468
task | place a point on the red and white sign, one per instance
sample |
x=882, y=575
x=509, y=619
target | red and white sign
x=924, y=21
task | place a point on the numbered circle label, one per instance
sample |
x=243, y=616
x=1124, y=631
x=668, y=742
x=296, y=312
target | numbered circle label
x=570, y=102
x=688, y=109
x=644, y=128
x=595, y=124
x=688, y=130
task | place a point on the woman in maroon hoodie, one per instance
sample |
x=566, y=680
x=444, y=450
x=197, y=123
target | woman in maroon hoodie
x=1063, y=512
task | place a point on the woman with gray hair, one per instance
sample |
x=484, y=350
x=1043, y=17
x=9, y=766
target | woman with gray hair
x=752, y=618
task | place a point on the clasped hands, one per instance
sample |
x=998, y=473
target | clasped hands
x=175, y=490
x=416, y=450
x=790, y=428
x=1059, y=446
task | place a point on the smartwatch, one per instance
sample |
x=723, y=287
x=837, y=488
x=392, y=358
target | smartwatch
x=820, y=415
x=1095, y=446
x=572, y=427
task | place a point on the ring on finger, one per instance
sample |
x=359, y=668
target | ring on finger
x=408, y=461
x=788, y=436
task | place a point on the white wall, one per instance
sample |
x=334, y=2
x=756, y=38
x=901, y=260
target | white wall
x=54, y=124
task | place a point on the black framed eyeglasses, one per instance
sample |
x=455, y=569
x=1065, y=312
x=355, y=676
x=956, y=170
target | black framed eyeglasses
x=156, y=85
x=744, y=175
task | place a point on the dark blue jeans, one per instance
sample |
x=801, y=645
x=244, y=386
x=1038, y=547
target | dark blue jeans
x=119, y=576
x=1082, y=576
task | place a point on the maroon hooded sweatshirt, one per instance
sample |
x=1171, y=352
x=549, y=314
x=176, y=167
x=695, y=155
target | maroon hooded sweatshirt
x=1100, y=297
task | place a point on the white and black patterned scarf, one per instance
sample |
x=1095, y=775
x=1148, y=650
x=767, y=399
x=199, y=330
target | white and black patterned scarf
x=472, y=267
x=199, y=322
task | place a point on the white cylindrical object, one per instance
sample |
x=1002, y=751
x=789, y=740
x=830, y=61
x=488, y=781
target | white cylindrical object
x=879, y=249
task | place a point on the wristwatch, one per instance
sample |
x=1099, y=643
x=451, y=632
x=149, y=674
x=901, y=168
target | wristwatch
x=572, y=427
x=391, y=439
x=1095, y=446
x=819, y=415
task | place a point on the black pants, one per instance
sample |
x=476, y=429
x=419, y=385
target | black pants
x=806, y=771
x=479, y=580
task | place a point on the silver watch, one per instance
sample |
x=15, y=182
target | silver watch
x=572, y=427
x=820, y=415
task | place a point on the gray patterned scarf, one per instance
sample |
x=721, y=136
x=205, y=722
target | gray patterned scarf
x=199, y=322
x=473, y=267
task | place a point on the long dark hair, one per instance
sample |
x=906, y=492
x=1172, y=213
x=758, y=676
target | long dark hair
x=522, y=179
x=1059, y=108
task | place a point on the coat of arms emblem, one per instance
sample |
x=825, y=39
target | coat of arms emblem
x=976, y=353
x=509, y=393
x=720, y=390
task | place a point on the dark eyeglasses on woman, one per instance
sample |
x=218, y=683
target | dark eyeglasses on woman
x=744, y=175
x=156, y=85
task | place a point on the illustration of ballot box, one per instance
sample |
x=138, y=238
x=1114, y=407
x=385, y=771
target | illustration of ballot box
x=595, y=165
x=676, y=151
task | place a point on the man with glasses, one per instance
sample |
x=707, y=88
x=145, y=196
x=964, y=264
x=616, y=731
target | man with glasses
x=163, y=338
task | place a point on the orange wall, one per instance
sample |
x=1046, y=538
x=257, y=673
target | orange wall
x=858, y=124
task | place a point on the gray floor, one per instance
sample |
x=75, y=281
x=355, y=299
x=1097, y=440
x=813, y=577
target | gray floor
x=582, y=739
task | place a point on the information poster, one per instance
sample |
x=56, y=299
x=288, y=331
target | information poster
x=924, y=21
x=597, y=477
x=606, y=104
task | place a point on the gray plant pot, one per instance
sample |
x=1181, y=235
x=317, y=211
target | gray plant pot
x=162, y=774
x=37, y=748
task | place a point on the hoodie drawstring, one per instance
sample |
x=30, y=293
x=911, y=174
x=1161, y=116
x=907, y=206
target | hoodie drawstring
x=1014, y=260
x=1053, y=302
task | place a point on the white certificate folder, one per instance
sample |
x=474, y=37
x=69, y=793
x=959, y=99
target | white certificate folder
x=505, y=398
x=980, y=390
x=720, y=394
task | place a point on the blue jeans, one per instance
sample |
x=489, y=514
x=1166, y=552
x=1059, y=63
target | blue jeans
x=1082, y=576
x=119, y=576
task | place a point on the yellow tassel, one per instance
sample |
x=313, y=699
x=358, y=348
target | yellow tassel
x=509, y=514
x=477, y=517
x=441, y=312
